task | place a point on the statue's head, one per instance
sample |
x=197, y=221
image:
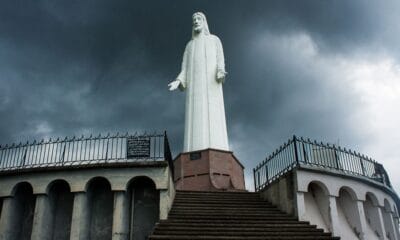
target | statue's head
x=199, y=24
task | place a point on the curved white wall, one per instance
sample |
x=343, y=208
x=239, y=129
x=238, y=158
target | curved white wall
x=348, y=207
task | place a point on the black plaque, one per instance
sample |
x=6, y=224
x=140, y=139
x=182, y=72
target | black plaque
x=138, y=147
x=195, y=155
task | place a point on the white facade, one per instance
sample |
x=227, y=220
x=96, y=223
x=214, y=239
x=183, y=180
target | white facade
x=78, y=181
x=349, y=207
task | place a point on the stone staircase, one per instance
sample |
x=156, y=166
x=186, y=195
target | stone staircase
x=231, y=215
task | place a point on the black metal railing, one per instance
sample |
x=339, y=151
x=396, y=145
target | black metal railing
x=300, y=152
x=77, y=151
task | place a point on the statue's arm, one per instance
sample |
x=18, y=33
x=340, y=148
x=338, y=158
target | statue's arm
x=221, y=73
x=182, y=75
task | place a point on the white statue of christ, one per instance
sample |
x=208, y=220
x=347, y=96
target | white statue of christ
x=202, y=75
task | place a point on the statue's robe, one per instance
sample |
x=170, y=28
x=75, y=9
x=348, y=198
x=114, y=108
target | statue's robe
x=205, y=124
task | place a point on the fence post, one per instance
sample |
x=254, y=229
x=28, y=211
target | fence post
x=336, y=157
x=63, y=154
x=168, y=155
x=254, y=176
x=295, y=150
x=24, y=158
x=362, y=165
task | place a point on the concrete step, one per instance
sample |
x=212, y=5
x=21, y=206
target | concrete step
x=239, y=224
x=222, y=203
x=229, y=207
x=192, y=199
x=235, y=217
x=226, y=213
x=229, y=228
x=233, y=221
x=255, y=197
x=220, y=193
x=190, y=237
x=278, y=232
x=231, y=215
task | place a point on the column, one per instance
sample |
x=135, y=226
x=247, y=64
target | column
x=388, y=223
x=381, y=224
x=301, y=206
x=164, y=204
x=80, y=217
x=335, y=227
x=363, y=222
x=393, y=227
x=7, y=220
x=42, y=219
x=120, y=227
x=396, y=224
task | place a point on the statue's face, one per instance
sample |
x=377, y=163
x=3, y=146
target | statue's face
x=198, y=23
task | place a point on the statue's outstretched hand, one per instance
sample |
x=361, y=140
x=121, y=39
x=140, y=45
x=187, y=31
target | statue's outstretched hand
x=174, y=85
x=221, y=76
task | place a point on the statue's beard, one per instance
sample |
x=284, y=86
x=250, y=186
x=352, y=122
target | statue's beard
x=198, y=30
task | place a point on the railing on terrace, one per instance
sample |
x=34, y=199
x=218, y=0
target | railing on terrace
x=300, y=152
x=109, y=149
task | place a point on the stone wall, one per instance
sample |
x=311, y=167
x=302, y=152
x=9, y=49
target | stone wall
x=281, y=193
x=85, y=203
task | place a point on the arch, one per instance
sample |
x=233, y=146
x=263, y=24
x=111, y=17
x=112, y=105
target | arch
x=317, y=205
x=89, y=182
x=25, y=183
x=141, y=178
x=350, y=191
x=100, y=201
x=144, y=201
x=321, y=185
x=395, y=212
x=386, y=205
x=371, y=209
x=61, y=204
x=372, y=197
x=348, y=213
x=22, y=211
x=57, y=181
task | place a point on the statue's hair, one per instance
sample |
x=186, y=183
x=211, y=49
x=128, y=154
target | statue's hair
x=205, y=24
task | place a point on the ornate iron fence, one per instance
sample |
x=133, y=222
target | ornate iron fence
x=300, y=152
x=75, y=151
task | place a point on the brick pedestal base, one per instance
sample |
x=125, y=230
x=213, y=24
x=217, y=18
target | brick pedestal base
x=208, y=170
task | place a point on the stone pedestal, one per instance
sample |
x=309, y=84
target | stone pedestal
x=208, y=170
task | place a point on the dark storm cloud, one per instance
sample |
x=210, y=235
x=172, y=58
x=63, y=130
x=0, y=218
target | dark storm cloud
x=73, y=67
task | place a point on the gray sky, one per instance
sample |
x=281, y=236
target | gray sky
x=328, y=70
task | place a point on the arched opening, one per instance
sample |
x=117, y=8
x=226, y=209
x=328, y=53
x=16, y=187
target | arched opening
x=317, y=205
x=23, y=208
x=371, y=209
x=144, y=207
x=349, y=216
x=100, y=206
x=388, y=220
x=61, y=202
